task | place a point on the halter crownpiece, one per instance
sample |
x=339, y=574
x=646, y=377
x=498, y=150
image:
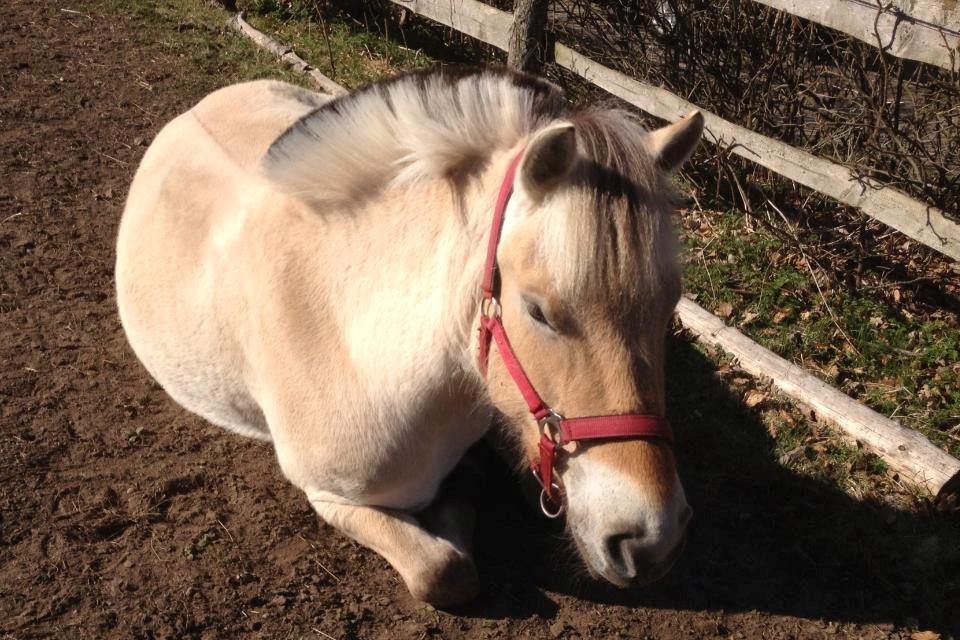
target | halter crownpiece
x=555, y=430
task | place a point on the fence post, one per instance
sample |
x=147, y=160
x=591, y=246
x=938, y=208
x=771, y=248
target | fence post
x=528, y=36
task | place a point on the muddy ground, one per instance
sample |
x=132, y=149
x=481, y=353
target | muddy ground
x=123, y=516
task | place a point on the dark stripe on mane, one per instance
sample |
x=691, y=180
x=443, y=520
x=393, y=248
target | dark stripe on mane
x=548, y=102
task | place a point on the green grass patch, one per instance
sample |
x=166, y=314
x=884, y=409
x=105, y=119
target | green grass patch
x=215, y=56
x=902, y=366
x=343, y=51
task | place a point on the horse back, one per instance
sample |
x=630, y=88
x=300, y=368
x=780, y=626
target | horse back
x=178, y=286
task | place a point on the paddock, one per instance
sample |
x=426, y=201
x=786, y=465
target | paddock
x=123, y=516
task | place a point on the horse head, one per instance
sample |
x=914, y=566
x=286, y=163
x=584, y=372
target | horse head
x=587, y=282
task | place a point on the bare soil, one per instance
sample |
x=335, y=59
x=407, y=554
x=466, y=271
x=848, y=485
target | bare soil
x=121, y=515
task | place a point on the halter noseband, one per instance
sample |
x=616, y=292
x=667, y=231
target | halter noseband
x=555, y=430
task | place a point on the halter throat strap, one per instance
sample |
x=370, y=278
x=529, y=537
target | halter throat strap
x=555, y=430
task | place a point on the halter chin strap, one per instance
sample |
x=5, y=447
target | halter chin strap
x=555, y=430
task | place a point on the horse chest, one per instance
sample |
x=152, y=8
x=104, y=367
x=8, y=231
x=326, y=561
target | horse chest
x=409, y=471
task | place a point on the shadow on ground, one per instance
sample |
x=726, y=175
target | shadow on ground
x=763, y=538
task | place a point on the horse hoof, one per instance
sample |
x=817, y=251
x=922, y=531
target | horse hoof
x=450, y=583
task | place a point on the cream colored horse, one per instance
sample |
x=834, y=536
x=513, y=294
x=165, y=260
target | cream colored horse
x=305, y=270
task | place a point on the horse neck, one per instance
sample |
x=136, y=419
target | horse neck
x=410, y=283
x=469, y=226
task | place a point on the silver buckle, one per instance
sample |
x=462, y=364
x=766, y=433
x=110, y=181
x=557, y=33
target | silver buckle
x=550, y=425
x=490, y=308
x=544, y=501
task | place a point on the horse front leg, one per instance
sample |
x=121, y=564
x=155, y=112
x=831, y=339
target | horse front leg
x=435, y=566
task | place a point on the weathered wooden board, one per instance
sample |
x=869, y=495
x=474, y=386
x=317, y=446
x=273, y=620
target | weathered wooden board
x=918, y=220
x=285, y=54
x=916, y=37
x=471, y=17
x=528, y=36
x=907, y=452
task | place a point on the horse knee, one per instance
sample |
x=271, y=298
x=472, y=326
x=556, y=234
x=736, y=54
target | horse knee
x=447, y=580
x=452, y=520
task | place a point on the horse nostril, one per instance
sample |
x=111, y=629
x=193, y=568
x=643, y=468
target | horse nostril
x=622, y=550
x=685, y=516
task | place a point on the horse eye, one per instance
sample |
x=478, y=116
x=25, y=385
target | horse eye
x=537, y=313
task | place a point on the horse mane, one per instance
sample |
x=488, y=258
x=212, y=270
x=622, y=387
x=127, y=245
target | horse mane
x=438, y=122
x=444, y=122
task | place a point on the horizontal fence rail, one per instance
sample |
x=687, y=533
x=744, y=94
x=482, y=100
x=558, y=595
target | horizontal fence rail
x=915, y=219
x=918, y=220
x=923, y=30
x=476, y=19
x=907, y=452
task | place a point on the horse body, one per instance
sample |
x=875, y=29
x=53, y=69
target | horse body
x=305, y=271
x=261, y=315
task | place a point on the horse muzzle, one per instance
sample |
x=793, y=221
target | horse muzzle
x=626, y=535
x=632, y=559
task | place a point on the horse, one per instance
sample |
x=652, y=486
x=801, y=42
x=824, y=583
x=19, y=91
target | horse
x=315, y=272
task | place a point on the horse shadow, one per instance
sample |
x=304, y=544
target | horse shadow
x=763, y=538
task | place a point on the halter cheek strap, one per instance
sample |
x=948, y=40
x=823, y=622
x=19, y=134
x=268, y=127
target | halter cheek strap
x=555, y=430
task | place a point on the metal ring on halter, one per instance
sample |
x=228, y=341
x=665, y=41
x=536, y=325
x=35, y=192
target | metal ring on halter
x=550, y=425
x=490, y=308
x=544, y=501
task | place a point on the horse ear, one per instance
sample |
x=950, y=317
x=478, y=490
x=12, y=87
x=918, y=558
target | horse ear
x=548, y=159
x=673, y=144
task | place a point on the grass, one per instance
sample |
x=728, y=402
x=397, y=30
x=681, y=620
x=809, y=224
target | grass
x=902, y=365
x=195, y=31
x=341, y=50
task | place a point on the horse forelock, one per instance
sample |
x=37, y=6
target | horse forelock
x=610, y=235
x=434, y=123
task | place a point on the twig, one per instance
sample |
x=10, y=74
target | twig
x=286, y=55
x=325, y=635
x=152, y=115
x=105, y=155
x=331, y=573
x=154, y=550
x=314, y=547
x=225, y=529
x=76, y=13
x=326, y=38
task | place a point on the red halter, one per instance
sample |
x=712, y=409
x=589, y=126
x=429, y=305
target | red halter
x=555, y=430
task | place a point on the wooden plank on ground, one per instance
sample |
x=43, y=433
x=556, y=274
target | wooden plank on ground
x=906, y=451
x=920, y=221
x=285, y=54
x=471, y=17
x=924, y=30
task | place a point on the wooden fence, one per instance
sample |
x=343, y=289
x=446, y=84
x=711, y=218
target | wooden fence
x=918, y=220
x=906, y=452
x=922, y=30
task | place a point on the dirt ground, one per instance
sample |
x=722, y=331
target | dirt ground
x=123, y=516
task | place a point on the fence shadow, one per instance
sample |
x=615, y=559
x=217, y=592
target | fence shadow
x=763, y=538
